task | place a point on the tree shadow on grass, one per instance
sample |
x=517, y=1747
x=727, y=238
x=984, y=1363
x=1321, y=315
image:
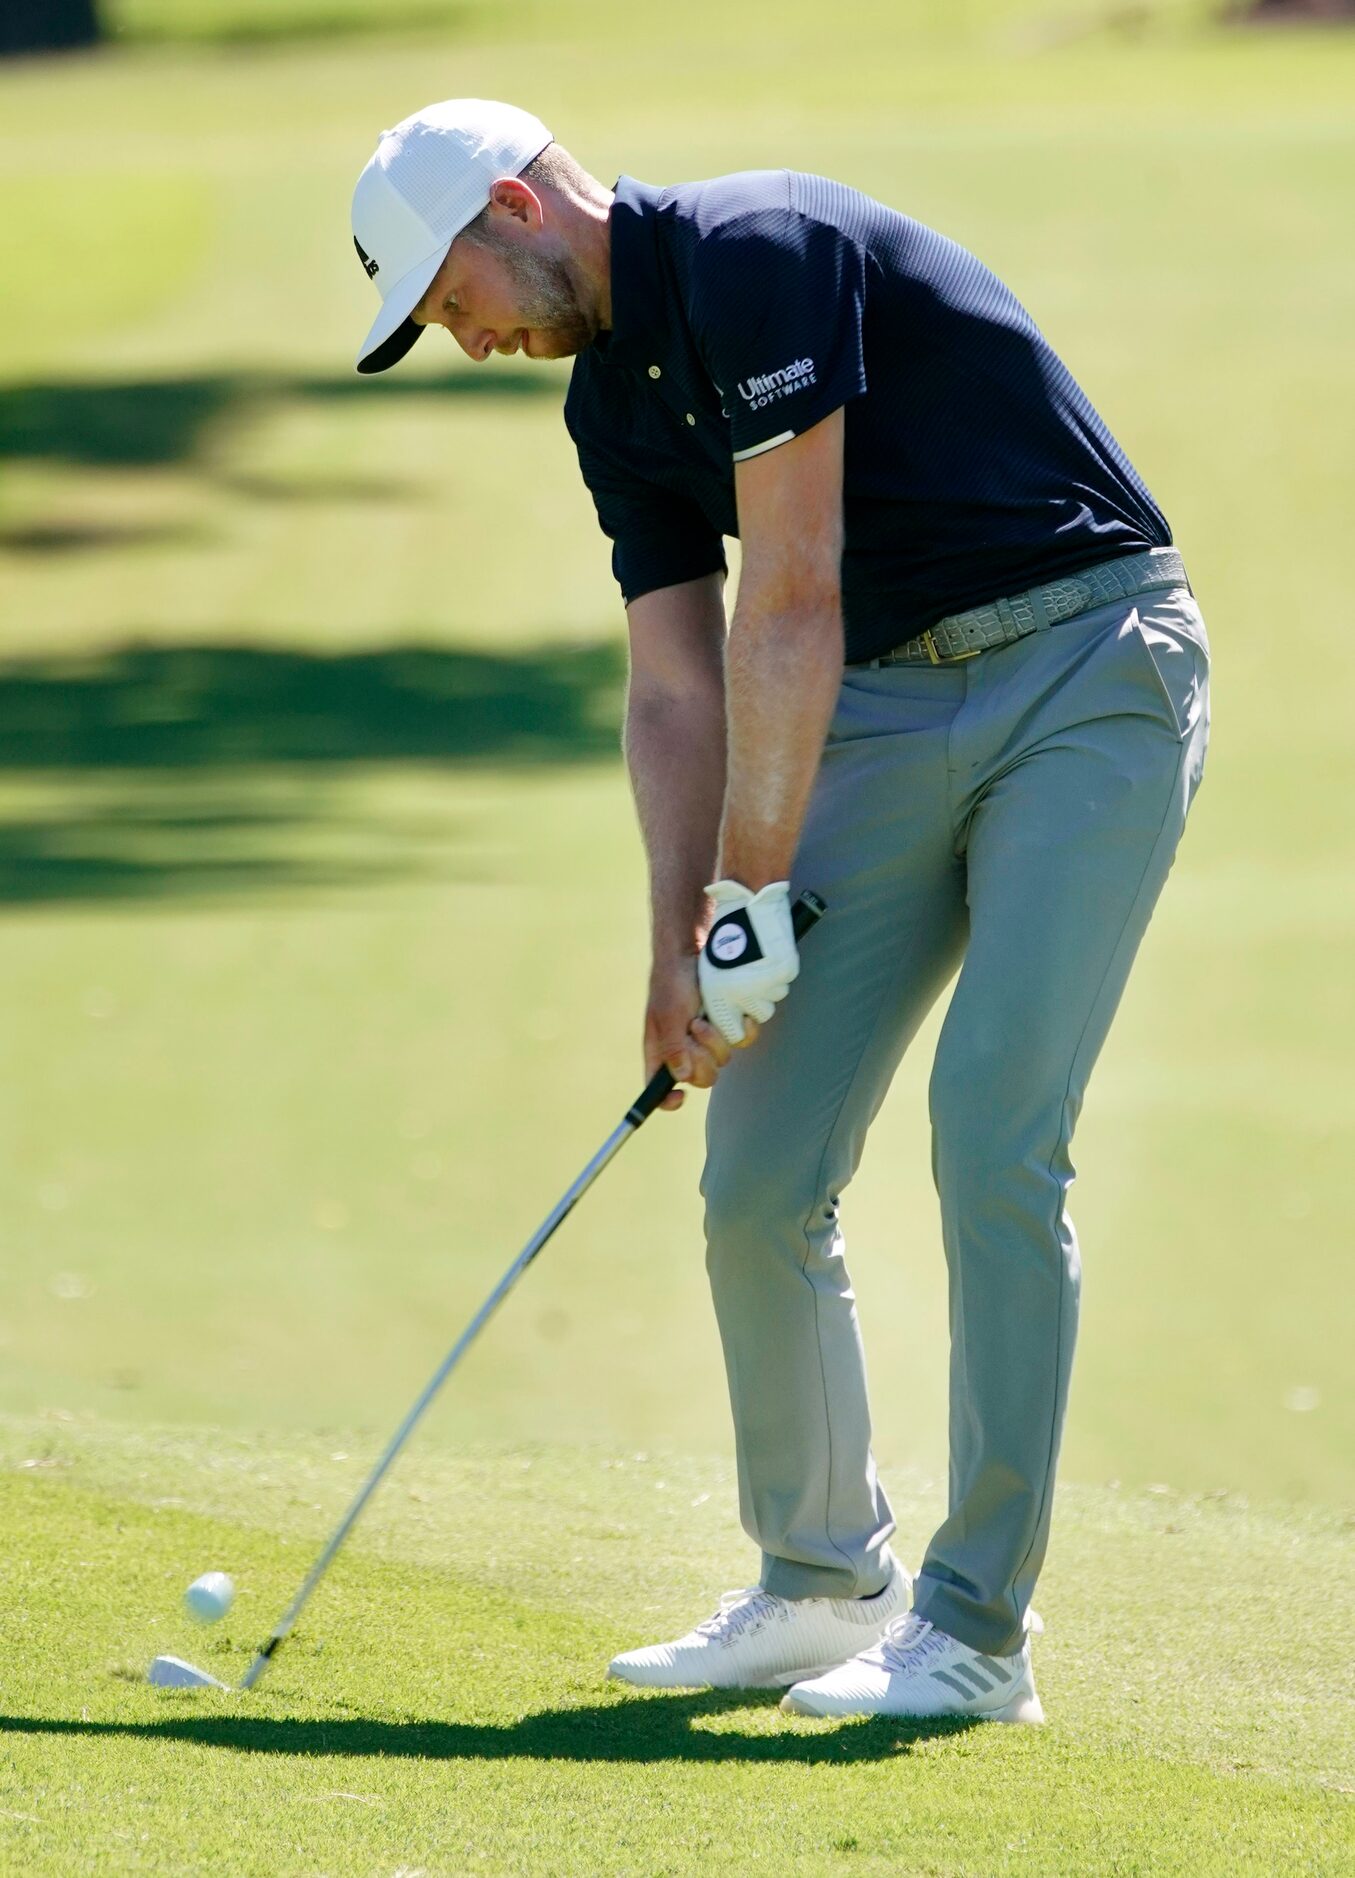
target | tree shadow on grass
x=64, y=537
x=113, y=848
x=158, y=770
x=643, y=1730
x=281, y=25
x=158, y=421
x=234, y=706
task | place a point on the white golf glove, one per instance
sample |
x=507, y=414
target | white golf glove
x=750, y=958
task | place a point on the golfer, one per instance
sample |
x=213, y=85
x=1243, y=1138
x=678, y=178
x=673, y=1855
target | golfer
x=963, y=697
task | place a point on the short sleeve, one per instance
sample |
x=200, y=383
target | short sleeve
x=658, y=536
x=776, y=308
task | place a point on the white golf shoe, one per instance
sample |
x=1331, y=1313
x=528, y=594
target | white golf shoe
x=757, y=1640
x=917, y=1670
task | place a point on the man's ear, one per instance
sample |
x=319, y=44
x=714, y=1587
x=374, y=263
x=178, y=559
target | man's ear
x=511, y=196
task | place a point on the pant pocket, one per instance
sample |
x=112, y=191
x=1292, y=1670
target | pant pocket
x=1176, y=647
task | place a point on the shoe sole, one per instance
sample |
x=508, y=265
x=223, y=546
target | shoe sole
x=1025, y=1709
x=783, y=1680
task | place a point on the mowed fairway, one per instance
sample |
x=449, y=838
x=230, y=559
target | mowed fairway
x=442, y=1709
x=322, y=937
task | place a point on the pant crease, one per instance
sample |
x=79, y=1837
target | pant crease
x=1061, y=1144
x=861, y=1055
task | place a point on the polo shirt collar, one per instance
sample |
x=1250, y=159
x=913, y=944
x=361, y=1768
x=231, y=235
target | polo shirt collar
x=641, y=318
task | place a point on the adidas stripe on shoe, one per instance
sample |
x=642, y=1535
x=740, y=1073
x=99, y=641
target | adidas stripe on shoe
x=916, y=1670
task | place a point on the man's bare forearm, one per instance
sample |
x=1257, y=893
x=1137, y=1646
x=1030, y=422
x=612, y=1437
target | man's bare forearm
x=783, y=657
x=675, y=752
x=783, y=671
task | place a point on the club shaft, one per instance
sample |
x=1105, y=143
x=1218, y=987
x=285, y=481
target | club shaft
x=808, y=909
x=558, y=1213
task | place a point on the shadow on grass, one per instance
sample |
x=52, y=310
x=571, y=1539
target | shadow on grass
x=110, y=852
x=645, y=1730
x=158, y=421
x=60, y=538
x=159, y=770
x=283, y=25
x=233, y=706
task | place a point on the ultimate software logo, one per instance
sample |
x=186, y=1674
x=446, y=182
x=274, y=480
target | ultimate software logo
x=768, y=386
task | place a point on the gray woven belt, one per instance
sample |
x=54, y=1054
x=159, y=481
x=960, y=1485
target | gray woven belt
x=965, y=635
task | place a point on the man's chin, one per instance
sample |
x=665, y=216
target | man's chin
x=555, y=342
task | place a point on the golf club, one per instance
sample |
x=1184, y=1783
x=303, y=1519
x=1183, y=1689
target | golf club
x=172, y=1671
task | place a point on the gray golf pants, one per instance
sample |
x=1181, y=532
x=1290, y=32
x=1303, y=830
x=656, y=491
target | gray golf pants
x=1014, y=815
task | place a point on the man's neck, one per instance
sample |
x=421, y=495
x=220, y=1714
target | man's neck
x=588, y=228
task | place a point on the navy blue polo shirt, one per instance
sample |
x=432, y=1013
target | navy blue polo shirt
x=748, y=308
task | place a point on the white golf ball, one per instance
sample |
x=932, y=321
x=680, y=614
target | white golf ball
x=209, y=1597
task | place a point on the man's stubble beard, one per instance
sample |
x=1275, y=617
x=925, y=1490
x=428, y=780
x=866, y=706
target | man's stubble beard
x=548, y=301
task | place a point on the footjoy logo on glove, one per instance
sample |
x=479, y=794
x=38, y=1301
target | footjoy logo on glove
x=733, y=942
x=767, y=386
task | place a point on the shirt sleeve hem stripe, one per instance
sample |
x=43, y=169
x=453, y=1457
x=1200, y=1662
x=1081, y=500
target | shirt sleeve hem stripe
x=742, y=456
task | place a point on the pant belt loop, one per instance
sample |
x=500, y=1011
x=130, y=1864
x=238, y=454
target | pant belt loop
x=1039, y=611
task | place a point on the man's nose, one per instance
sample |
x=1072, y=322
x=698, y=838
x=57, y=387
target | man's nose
x=475, y=344
x=479, y=348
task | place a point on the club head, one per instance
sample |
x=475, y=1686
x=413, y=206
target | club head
x=171, y=1672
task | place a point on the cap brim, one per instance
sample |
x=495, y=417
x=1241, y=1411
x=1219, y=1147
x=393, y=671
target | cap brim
x=394, y=332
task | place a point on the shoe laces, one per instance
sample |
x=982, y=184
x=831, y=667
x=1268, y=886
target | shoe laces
x=907, y=1642
x=739, y=1611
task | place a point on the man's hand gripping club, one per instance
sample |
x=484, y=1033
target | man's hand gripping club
x=750, y=958
x=749, y=961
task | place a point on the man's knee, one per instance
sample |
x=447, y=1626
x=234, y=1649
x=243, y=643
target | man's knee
x=965, y=1093
x=753, y=1193
x=1000, y=1128
x=764, y=1210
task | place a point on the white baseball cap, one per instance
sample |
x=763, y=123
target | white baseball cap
x=430, y=176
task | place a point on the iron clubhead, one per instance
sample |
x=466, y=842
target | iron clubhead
x=171, y=1672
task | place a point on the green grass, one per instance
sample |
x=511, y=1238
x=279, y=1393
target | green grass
x=442, y=1706
x=302, y=1049
x=322, y=930
x=132, y=239
x=263, y=23
x=268, y=22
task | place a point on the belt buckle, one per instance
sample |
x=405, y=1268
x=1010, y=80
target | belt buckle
x=944, y=658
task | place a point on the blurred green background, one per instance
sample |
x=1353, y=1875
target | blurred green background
x=321, y=906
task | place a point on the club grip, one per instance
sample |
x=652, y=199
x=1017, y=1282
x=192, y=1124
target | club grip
x=805, y=914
